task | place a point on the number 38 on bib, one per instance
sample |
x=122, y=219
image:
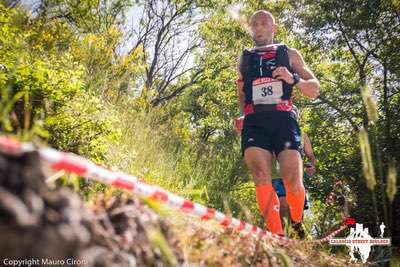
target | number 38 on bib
x=267, y=91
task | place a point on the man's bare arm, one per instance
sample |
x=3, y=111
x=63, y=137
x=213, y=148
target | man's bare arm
x=308, y=84
x=308, y=149
x=240, y=84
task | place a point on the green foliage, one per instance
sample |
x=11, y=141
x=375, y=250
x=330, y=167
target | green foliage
x=33, y=68
x=107, y=73
x=161, y=149
x=359, y=36
x=58, y=86
x=87, y=114
x=64, y=79
x=90, y=16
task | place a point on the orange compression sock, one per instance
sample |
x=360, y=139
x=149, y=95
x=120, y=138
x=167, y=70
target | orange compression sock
x=268, y=204
x=295, y=199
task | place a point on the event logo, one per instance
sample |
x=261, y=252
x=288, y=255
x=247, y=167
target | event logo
x=361, y=242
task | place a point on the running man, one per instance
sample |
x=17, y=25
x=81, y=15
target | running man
x=268, y=74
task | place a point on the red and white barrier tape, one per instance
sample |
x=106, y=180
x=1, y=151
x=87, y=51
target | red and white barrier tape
x=331, y=235
x=72, y=163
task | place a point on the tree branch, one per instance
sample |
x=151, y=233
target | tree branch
x=178, y=90
x=339, y=110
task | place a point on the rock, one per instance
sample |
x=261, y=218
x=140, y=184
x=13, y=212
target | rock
x=39, y=223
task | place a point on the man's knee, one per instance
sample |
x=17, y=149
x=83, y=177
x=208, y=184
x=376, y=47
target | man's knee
x=293, y=184
x=295, y=188
x=259, y=162
x=291, y=170
x=260, y=175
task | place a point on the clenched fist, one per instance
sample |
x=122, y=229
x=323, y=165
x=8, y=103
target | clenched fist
x=238, y=124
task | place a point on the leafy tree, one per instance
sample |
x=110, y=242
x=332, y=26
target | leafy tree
x=42, y=84
x=167, y=35
x=360, y=37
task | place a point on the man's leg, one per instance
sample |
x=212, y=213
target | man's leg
x=284, y=208
x=258, y=160
x=292, y=172
x=279, y=188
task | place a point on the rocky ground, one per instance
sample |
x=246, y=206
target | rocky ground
x=40, y=226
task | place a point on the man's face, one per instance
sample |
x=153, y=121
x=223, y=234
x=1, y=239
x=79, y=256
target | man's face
x=262, y=28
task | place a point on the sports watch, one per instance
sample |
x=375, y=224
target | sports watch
x=296, y=79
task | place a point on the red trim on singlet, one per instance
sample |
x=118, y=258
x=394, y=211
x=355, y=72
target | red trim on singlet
x=269, y=54
x=285, y=106
x=248, y=109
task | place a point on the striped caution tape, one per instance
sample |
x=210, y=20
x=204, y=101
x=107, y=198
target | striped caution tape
x=71, y=163
x=331, y=235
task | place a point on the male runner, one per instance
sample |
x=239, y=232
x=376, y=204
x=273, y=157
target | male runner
x=267, y=75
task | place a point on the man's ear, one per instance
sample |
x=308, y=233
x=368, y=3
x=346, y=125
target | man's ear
x=274, y=28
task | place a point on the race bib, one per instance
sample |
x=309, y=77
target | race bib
x=267, y=91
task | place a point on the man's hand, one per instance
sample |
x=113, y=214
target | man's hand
x=310, y=169
x=238, y=125
x=282, y=73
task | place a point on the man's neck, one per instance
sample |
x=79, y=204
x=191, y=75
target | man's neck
x=263, y=48
x=265, y=43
